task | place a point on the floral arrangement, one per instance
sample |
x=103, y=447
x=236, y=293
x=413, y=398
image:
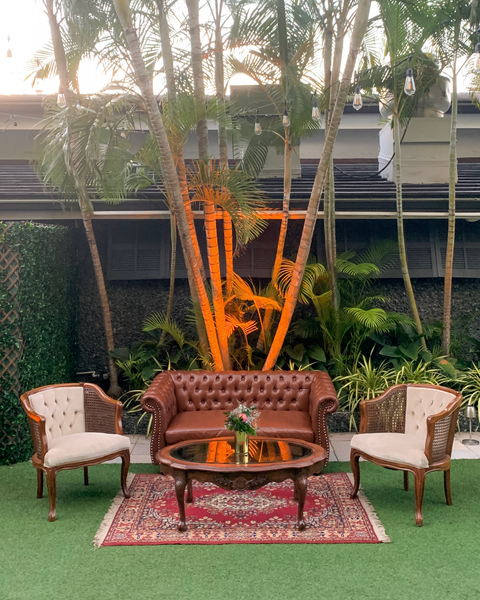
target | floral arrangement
x=243, y=420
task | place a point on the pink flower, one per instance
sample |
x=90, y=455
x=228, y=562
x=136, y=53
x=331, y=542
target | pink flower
x=243, y=416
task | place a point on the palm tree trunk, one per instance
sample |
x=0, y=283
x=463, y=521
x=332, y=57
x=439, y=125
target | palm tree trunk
x=447, y=298
x=222, y=141
x=122, y=8
x=287, y=186
x=84, y=202
x=209, y=206
x=173, y=261
x=400, y=230
x=168, y=66
x=359, y=28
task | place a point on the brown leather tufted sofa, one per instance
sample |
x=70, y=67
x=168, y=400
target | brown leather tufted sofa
x=190, y=405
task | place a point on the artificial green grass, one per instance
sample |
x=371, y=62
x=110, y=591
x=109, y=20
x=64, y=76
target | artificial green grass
x=41, y=560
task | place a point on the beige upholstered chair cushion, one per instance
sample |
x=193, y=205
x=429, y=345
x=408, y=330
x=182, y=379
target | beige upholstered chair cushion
x=63, y=409
x=78, y=447
x=393, y=447
x=421, y=403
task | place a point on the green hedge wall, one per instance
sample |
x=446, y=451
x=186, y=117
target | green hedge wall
x=47, y=299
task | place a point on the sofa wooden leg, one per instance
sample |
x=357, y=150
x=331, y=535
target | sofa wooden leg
x=355, y=466
x=419, y=477
x=39, y=483
x=446, y=482
x=52, y=493
x=85, y=475
x=405, y=481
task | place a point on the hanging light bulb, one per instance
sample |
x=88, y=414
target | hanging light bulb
x=315, y=110
x=258, y=128
x=122, y=133
x=15, y=124
x=9, y=50
x=476, y=64
x=286, y=118
x=61, y=100
x=38, y=82
x=409, y=87
x=357, y=98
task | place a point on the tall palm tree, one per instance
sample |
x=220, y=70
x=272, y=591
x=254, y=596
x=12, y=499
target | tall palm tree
x=452, y=41
x=81, y=189
x=144, y=83
x=209, y=210
x=358, y=32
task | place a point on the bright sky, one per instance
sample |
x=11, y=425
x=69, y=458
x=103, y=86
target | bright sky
x=27, y=25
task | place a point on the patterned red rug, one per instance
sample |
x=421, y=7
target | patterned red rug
x=264, y=516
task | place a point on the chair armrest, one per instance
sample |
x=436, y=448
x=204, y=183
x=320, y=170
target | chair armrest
x=323, y=401
x=37, y=428
x=441, y=431
x=160, y=400
x=102, y=413
x=386, y=413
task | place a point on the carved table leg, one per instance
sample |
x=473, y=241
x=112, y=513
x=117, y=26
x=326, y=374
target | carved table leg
x=180, y=483
x=300, y=493
x=85, y=475
x=190, y=491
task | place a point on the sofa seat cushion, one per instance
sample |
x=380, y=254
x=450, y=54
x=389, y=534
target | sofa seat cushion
x=392, y=447
x=78, y=447
x=197, y=425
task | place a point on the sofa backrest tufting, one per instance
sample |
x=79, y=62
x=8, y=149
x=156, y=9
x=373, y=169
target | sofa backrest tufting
x=422, y=403
x=63, y=409
x=200, y=390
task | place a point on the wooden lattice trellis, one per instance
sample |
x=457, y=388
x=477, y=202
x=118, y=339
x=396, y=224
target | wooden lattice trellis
x=10, y=275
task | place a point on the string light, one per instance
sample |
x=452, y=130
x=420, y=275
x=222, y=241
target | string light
x=15, y=124
x=357, y=97
x=61, y=100
x=315, y=110
x=409, y=87
x=38, y=82
x=258, y=128
x=122, y=133
x=286, y=118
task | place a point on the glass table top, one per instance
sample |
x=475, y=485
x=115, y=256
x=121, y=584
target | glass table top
x=223, y=452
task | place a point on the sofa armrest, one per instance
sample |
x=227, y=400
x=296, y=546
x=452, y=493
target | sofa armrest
x=102, y=413
x=37, y=428
x=160, y=400
x=386, y=413
x=323, y=401
x=441, y=431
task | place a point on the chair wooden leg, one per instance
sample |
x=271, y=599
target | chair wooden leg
x=405, y=481
x=52, y=493
x=446, y=482
x=355, y=466
x=125, y=467
x=419, y=477
x=85, y=475
x=39, y=483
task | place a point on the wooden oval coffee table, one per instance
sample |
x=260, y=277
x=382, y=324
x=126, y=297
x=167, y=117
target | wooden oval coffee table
x=214, y=461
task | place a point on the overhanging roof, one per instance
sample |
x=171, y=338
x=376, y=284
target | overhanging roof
x=360, y=192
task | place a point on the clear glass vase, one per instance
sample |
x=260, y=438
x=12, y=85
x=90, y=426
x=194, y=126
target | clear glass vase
x=241, y=446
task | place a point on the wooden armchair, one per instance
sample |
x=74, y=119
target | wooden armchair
x=409, y=428
x=74, y=425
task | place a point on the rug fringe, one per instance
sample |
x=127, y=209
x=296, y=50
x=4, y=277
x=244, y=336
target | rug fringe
x=372, y=515
x=112, y=511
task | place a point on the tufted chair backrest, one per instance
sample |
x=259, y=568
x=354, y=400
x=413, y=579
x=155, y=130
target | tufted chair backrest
x=63, y=409
x=422, y=403
x=266, y=390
